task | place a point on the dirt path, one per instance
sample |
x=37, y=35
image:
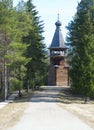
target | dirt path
x=44, y=113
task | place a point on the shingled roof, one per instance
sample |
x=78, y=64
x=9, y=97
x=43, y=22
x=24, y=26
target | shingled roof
x=57, y=41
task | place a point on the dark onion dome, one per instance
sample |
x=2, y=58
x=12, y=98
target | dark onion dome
x=58, y=23
x=57, y=41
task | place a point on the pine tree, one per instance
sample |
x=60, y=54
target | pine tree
x=37, y=66
x=5, y=12
x=14, y=25
x=20, y=29
x=16, y=65
x=80, y=41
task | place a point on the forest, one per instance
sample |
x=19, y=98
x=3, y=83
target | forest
x=23, y=53
x=80, y=43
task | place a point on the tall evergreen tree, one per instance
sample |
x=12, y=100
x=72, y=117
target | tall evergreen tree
x=37, y=66
x=20, y=29
x=80, y=41
x=5, y=12
x=14, y=25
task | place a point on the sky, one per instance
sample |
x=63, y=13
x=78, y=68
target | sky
x=49, y=10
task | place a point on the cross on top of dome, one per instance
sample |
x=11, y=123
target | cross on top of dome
x=58, y=23
x=57, y=41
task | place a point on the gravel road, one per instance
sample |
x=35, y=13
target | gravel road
x=44, y=113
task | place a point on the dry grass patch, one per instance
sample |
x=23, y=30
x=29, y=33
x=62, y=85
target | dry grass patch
x=12, y=112
x=75, y=104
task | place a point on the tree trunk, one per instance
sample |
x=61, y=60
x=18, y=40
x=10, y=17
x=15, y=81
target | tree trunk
x=20, y=93
x=86, y=100
x=5, y=82
x=27, y=87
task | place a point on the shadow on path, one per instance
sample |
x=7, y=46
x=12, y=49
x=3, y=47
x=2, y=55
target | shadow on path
x=48, y=94
x=56, y=94
x=51, y=94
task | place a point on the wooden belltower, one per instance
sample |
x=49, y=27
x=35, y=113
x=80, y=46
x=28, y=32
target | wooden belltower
x=58, y=71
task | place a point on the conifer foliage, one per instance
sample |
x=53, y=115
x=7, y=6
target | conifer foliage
x=21, y=46
x=36, y=68
x=80, y=40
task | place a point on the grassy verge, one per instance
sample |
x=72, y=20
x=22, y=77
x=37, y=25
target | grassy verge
x=75, y=104
x=12, y=112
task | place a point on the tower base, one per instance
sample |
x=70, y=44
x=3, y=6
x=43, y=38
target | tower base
x=58, y=76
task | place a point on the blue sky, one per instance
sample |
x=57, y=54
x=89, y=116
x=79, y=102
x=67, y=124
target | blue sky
x=48, y=10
